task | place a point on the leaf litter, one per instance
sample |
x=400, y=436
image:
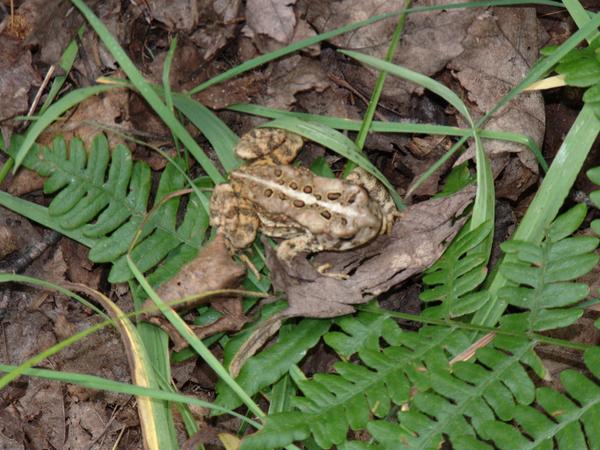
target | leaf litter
x=213, y=36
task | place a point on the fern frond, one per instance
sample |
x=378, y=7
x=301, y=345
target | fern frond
x=362, y=332
x=463, y=398
x=106, y=195
x=557, y=420
x=543, y=275
x=335, y=402
x=279, y=357
x=452, y=280
x=594, y=176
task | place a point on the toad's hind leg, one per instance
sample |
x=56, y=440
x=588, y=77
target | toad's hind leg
x=377, y=192
x=269, y=145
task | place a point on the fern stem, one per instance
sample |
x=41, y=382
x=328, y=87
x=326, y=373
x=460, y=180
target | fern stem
x=479, y=328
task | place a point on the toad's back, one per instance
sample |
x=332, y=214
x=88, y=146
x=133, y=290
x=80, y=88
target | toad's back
x=321, y=205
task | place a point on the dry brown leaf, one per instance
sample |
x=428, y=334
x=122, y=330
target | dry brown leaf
x=291, y=76
x=51, y=27
x=24, y=182
x=16, y=78
x=374, y=38
x=79, y=268
x=8, y=237
x=254, y=342
x=43, y=395
x=92, y=116
x=418, y=239
x=12, y=435
x=430, y=40
x=218, y=25
x=237, y=90
x=275, y=19
x=181, y=15
x=516, y=178
x=483, y=72
x=213, y=269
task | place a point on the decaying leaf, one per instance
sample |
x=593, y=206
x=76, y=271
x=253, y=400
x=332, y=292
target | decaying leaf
x=213, y=269
x=16, y=78
x=109, y=110
x=427, y=44
x=181, y=15
x=375, y=38
x=290, y=77
x=237, y=90
x=50, y=26
x=217, y=27
x=486, y=79
x=272, y=18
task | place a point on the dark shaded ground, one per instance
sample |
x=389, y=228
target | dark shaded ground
x=480, y=56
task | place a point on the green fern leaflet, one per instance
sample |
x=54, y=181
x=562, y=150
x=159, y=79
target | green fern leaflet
x=106, y=196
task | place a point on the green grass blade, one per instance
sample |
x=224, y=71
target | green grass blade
x=216, y=131
x=66, y=64
x=422, y=80
x=378, y=89
x=166, y=74
x=579, y=14
x=393, y=127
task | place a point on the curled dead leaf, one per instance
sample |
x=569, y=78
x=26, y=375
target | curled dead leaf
x=417, y=240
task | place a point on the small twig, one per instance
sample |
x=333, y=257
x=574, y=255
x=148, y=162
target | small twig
x=38, y=94
x=344, y=84
x=16, y=263
x=106, y=427
x=470, y=352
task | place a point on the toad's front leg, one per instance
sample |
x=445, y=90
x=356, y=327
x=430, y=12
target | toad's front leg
x=304, y=243
x=234, y=217
x=236, y=221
